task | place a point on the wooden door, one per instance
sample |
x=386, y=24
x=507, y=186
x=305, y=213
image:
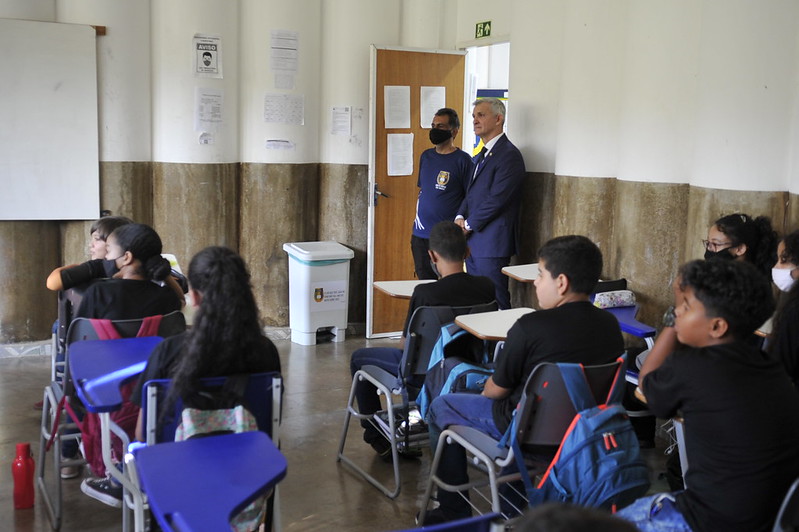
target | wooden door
x=391, y=214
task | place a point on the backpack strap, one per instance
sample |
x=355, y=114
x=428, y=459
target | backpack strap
x=105, y=329
x=149, y=326
x=616, y=394
x=577, y=386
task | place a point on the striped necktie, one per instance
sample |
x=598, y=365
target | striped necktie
x=479, y=160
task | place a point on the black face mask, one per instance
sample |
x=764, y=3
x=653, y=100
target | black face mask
x=110, y=267
x=437, y=136
x=723, y=254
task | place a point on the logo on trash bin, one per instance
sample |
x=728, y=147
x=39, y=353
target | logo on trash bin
x=318, y=294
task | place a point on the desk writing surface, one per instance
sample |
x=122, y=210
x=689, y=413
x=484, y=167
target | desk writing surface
x=98, y=367
x=400, y=289
x=525, y=273
x=201, y=482
x=492, y=325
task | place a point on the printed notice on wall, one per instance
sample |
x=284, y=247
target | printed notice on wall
x=330, y=295
x=285, y=50
x=284, y=55
x=433, y=99
x=400, y=154
x=207, y=56
x=208, y=108
x=284, y=109
x=341, y=121
x=397, y=103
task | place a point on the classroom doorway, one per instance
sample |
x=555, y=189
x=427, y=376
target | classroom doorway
x=475, y=72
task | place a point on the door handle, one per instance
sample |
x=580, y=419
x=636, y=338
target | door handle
x=378, y=193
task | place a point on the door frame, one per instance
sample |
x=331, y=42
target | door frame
x=370, y=246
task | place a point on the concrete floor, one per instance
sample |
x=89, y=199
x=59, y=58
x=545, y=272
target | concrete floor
x=317, y=493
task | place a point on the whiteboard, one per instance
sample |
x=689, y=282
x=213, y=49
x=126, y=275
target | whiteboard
x=49, y=164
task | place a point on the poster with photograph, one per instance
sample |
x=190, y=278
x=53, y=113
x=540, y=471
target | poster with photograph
x=207, y=56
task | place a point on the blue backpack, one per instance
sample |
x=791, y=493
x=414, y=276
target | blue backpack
x=598, y=463
x=452, y=367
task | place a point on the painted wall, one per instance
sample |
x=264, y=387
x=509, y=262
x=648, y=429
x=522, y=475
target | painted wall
x=640, y=122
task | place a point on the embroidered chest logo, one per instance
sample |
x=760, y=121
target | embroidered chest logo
x=441, y=180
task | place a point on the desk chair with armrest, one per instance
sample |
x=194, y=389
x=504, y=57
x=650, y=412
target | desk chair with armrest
x=423, y=332
x=788, y=516
x=56, y=428
x=262, y=397
x=543, y=418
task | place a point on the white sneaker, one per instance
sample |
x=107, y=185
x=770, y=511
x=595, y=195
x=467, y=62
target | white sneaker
x=68, y=472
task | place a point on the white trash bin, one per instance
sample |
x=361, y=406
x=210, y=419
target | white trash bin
x=319, y=275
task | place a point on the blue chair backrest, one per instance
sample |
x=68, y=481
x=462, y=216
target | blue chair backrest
x=262, y=398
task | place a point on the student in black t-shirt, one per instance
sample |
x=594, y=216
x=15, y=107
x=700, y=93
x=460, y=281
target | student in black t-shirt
x=138, y=288
x=784, y=341
x=741, y=411
x=225, y=338
x=454, y=288
x=567, y=329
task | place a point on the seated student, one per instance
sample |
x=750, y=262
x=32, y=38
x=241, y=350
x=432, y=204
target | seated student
x=138, y=287
x=454, y=288
x=136, y=291
x=562, y=517
x=783, y=343
x=568, y=328
x=737, y=237
x=740, y=237
x=97, y=267
x=740, y=409
x=226, y=339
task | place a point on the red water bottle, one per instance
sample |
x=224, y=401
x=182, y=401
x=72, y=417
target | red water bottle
x=22, y=470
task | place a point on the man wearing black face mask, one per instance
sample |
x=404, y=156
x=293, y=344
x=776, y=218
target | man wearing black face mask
x=443, y=177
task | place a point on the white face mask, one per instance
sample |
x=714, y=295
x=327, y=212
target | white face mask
x=782, y=278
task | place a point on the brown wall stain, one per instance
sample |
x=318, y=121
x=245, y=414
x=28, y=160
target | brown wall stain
x=645, y=230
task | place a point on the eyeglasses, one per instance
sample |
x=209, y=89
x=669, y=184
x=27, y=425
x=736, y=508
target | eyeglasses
x=716, y=246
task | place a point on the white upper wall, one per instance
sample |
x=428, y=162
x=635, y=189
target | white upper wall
x=747, y=71
x=687, y=91
x=40, y=10
x=173, y=27
x=259, y=19
x=591, y=83
x=658, y=113
x=123, y=74
x=679, y=92
x=348, y=30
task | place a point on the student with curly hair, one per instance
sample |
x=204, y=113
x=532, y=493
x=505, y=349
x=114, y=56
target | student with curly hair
x=226, y=336
x=741, y=411
x=226, y=339
x=740, y=237
x=784, y=341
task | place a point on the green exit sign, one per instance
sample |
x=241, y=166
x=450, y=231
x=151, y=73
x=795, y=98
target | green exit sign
x=482, y=29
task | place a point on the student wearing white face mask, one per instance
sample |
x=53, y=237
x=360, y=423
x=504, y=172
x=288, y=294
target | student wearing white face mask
x=784, y=341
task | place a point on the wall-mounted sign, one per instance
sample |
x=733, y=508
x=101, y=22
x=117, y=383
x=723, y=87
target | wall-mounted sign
x=482, y=29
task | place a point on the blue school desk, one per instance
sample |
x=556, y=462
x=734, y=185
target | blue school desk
x=628, y=324
x=98, y=368
x=198, y=484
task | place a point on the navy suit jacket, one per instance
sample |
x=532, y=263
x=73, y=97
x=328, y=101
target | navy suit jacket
x=492, y=201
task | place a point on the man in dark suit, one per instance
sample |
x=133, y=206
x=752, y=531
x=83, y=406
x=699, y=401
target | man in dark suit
x=489, y=214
